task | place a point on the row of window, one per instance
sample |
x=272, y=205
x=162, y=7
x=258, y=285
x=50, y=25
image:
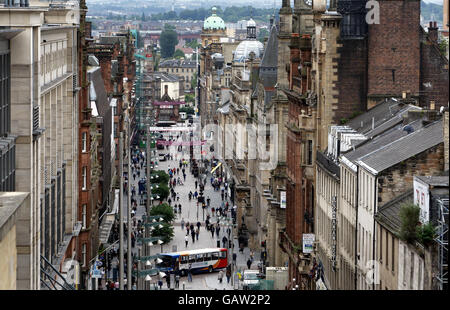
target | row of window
x=53, y=60
x=7, y=169
x=53, y=212
x=175, y=70
x=384, y=254
x=5, y=95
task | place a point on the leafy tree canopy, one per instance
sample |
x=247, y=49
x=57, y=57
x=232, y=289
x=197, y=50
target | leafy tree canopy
x=164, y=210
x=168, y=41
x=179, y=54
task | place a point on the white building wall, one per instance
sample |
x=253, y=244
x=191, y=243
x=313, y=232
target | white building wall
x=410, y=268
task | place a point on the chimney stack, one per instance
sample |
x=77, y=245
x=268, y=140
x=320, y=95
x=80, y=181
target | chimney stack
x=433, y=32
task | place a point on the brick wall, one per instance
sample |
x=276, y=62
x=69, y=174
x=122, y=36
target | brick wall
x=399, y=178
x=394, y=45
x=352, y=78
x=434, y=74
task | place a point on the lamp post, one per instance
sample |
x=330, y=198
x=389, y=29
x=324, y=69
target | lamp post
x=129, y=206
x=121, y=275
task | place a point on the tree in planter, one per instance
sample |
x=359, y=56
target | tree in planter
x=162, y=190
x=163, y=210
x=163, y=177
x=409, y=215
x=166, y=232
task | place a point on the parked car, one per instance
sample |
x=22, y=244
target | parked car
x=250, y=279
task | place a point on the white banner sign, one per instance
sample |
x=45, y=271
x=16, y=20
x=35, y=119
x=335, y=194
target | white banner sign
x=283, y=200
x=171, y=128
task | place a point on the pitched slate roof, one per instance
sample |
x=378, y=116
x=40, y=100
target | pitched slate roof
x=383, y=112
x=404, y=148
x=269, y=63
x=389, y=214
x=98, y=87
x=389, y=136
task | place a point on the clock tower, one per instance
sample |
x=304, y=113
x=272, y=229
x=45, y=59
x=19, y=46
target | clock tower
x=303, y=17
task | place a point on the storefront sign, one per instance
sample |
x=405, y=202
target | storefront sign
x=333, y=232
x=308, y=243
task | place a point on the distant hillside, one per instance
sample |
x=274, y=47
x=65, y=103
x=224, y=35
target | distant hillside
x=431, y=12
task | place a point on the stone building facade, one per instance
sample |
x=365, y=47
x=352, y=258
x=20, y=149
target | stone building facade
x=43, y=95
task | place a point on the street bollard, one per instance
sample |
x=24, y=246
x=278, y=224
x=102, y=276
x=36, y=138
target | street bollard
x=183, y=285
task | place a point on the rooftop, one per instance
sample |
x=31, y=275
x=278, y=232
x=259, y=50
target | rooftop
x=403, y=148
x=175, y=63
x=389, y=214
x=9, y=205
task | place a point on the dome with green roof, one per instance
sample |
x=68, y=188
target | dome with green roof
x=214, y=21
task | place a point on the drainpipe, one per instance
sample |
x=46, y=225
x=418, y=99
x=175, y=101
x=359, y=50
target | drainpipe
x=374, y=230
x=356, y=230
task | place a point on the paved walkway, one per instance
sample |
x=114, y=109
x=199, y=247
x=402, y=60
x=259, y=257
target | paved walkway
x=192, y=213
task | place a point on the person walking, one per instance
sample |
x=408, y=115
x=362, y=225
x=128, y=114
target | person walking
x=228, y=273
x=198, y=225
x=182, y=223
x=189, y=272
x=234, y=258
x=224, y=242
x=220, y=276
x=196, y=183
x=217, y=230
x=160, y=284
x=212, y=230
x=168, y=281
x=186, y=239
x=177, y=280
x=179, y=208
x=208, y=200
x=193, y=236
x=249, y=263
x=197, y=232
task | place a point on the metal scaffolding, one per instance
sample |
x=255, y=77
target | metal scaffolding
x=442, y=241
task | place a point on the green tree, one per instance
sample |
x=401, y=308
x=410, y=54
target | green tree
x=166, y=232
x=165, y=211
x=163, y=177
x=187, y=110
x=188, y=98
x=193, y=44
x=168, y=41
x=409, y=215
x=179, y=54
x=426, y=234
x=263, y=33
x=162, y=190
